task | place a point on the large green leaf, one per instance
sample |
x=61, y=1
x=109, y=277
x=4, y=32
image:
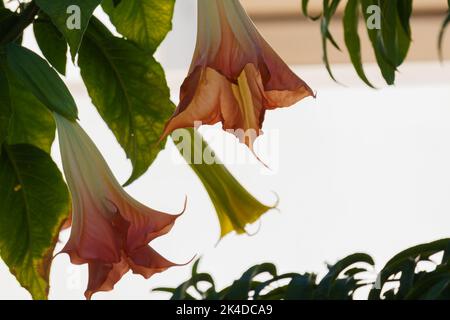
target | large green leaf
x=129, y=89
x=51, y=42
x=30, y=121
x=41, y=80
x=5, y=105
x=58, y=13
x=7, y=20
x=145, y=22
x=34, y=202
x=352, y=40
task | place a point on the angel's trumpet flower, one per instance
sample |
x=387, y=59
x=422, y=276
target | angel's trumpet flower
x=236, y=208
x=235, y=75
x=110, y=230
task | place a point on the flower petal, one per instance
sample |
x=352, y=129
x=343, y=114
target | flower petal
x=103, y=277
x=235, y=75
x=146, y=262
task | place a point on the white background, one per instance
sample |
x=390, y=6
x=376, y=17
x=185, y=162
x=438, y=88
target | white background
x=358, y=170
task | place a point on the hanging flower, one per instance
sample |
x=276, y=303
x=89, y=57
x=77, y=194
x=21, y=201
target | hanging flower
x=235, y=75
x=236, y=208
x=110, y=230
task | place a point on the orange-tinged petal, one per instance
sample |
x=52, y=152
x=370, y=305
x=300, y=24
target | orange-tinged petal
x=235, y=75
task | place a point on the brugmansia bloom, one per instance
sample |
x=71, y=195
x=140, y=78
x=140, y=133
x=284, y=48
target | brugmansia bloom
x=235, y=206
x=110, y=230
x=235, y=75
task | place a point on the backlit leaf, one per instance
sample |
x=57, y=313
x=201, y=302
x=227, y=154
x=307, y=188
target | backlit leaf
x=145, y=22
x=34, y=202
x=41, y=80
x=64, y=14
x=129, y=89
x=51, y=42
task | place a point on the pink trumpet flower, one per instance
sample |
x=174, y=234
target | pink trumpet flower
x=110, y=230
x=235, y=75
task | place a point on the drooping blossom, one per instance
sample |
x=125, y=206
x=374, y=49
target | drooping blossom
x=235, y=75
x=110, y=230
x=236, y=208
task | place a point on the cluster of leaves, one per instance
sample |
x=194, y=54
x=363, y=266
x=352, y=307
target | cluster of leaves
x=404, y=276
x=126, y=85
x=400, y=279
x=128, y=88
x=388, y=28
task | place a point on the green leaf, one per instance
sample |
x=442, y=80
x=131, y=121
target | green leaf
x=7, y=20
x=305, y=11
x=30, y=121
x=402, y=260
x=442, y=32
x=405, y=8
x=129, y=89
x=181, y=292
x=145, y=22
x=389, y=29
x=200, y=278
x=116, y=2
x=325, y=286
x=240, y=289
x=301, y=287
x=5, y=105
x=387, y=69
x=328, y=12
x=35, y=202
x=352, y=40
x=354, y=271
x=423, y=251
x=235, y=206
x=431, y=285
x=403, y=44
x=269, y=284
x=51, y=42
x=62, y=17
x=406, y=278
x=437, y=289
x=41, y=80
